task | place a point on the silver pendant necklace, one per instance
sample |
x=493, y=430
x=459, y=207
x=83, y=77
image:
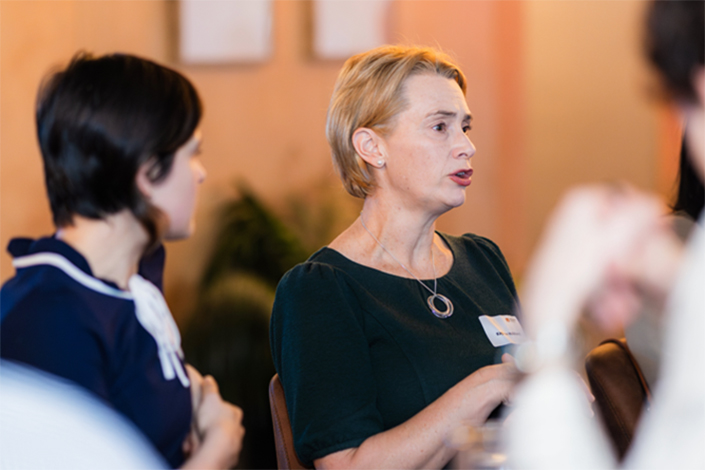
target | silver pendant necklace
x=434, y=293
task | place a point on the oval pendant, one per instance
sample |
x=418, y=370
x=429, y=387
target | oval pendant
x=440, y=314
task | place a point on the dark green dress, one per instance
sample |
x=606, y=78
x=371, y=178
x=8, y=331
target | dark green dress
x=359, y=352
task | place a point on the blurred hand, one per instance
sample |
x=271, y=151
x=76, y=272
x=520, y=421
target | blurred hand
x=219, y=422
x=645, y=274
x=604, y=246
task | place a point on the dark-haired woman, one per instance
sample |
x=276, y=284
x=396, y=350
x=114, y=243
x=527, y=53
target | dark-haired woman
x=120, y=142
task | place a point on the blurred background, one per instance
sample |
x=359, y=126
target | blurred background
x=559, y=91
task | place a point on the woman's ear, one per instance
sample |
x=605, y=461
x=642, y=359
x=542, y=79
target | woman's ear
x=144, y=184
x=369, y=146
x=699, y=84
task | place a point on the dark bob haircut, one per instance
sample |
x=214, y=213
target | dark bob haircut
x=98, y=121
x=690, y=196
x=675, y=41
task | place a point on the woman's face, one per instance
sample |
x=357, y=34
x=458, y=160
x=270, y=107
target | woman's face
x=176, y=194
x=694, y=116
x=428, y=151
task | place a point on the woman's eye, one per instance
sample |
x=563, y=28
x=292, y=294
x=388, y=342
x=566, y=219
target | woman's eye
x=439, y=127
x=467, y=129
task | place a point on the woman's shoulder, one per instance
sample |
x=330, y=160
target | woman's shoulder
x=50, y=325
x=324, y=267
x=49, y=281
x=44, y=301
x=478, y=254
x=317, y=298
x=325, y=282
x=43, y=292
x=472, y=242
x=47, y=293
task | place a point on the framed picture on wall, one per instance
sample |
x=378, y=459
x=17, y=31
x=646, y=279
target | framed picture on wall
x=225, y=31
x=342, y=28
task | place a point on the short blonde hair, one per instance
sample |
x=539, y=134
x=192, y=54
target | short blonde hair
x=369, y=93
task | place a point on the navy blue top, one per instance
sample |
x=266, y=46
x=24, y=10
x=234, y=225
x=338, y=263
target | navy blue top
x=359, y=352
x=54, y=323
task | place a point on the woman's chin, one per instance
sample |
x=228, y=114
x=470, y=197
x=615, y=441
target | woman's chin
x=456, y=201
x=179, y=233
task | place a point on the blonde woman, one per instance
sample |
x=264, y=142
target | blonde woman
x=386, y=339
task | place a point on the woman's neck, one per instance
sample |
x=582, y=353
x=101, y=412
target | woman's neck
x=112, y=246
x=408, y=235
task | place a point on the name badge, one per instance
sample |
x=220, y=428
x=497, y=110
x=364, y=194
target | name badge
x=502, y=330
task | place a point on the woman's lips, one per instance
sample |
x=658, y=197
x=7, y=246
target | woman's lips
x=462, y=177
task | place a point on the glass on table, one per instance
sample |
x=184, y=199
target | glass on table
x=479, y=447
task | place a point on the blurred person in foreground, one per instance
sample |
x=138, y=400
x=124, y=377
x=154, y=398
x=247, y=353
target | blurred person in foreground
x=120, y=143
x=47, y=422
x=645, y=334
x=391, y=336
x=606, y=251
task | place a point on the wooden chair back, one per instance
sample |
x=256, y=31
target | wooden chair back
x=283, y=437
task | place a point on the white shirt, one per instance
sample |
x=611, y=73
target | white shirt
x=46, y=422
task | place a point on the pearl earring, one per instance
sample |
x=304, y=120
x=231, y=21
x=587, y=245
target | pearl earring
x=380, y=162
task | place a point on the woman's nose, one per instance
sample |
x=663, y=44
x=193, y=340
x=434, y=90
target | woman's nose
x=466, y=149
x=201, y=172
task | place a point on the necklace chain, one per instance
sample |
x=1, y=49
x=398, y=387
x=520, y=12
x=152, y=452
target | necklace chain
x=434, y=293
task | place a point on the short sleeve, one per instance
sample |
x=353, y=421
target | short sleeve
x=322, y=356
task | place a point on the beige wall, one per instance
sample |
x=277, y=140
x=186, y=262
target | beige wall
x=555, y=89
x=586, y=88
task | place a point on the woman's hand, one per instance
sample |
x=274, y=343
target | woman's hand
x=218, y=419
x=420, y=442
x=193, y=440
x=217, y=429
x=487, y=388
x=196, y=385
